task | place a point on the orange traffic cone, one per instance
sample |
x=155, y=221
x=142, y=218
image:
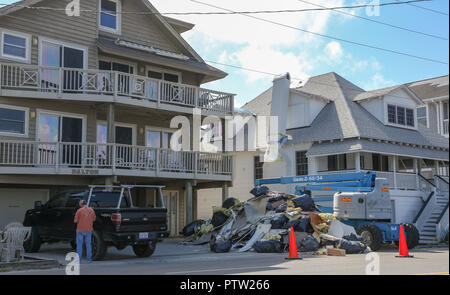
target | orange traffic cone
x=403, y=246
x=293, y=252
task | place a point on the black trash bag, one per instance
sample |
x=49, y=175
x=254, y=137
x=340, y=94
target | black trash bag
x=305, y=202
x=281, y=208
x=221, y=246
x=268, y=246
x=278, y=221
x=269, y=207
x=277, y=198
x=259, y=191
x=228, y=203
x=218, y=219
x=352, y=247
x=309, y=244
x=192, y=228
x=300, y=225
x=353, y=237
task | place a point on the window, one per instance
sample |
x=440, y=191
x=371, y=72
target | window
x=175, y=78
x=422, y=115
x=380, y=163
x=74, y=200
x=445, y=110
x=392, y=117
x=337, y=162
x=57, y=201
x=258, y=167
x=16, y=46
x=301, y=163
x=13, y=121
x=158, y=139
x=401, y=116
x=109, y=200
x=110, y=15
x=116, y=66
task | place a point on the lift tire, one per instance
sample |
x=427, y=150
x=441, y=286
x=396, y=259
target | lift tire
x=372, y=235
x=412, y=235
x=144, y=250
x=99, y=247
x=33, y=244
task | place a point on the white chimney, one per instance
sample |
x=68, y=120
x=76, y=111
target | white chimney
x=280, y=100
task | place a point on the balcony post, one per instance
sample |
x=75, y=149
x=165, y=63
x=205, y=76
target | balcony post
x=116, y=85
x=158, y=154
x=225, y=191
x=57, y=157
x=114, y=155
x=61, y=82
x=158, y=94
x=195, y=165
x=197, y=94
x=358, y=162
x=416, y=171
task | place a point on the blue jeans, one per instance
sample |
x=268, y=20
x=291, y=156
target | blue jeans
x=84, y=237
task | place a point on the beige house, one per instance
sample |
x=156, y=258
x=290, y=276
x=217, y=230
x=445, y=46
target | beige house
x=88, y=100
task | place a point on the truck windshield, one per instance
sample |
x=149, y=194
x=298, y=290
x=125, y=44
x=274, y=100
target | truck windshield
x=108, y=200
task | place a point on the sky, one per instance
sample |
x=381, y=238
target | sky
x=250, y=43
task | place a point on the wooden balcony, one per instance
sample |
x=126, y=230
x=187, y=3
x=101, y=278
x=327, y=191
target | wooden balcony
x=91, y=159
x=18, y=80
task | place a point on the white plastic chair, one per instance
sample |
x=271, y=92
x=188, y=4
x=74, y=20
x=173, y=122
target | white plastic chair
x=13, y=240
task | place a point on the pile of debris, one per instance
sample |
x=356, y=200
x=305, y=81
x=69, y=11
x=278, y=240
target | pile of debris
x=263, y=223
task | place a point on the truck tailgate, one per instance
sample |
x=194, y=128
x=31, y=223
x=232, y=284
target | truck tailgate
x=143, y=220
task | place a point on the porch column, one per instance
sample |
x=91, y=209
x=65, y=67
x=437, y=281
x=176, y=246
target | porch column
x=358, y=162
x=394, y=168
x=436, y=167
x=189, y=202
x=416, y=171
x=225, y=192
x=110, y=118
x=194, y=202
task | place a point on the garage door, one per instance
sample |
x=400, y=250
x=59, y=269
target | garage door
x=15, y=202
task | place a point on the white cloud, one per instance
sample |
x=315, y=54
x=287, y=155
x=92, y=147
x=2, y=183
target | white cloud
x=334, y=51
x=378, y=81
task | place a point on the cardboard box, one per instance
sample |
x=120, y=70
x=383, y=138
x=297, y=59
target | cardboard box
x=335, y=252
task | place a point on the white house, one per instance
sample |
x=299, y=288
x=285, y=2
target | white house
x=335, y=126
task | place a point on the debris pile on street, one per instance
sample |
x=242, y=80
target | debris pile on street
x=263, y=223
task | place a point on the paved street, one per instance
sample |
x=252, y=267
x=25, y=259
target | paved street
x=174, y=259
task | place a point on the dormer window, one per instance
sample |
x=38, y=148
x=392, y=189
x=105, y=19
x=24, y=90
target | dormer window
x=398, y=115
x=110, y=16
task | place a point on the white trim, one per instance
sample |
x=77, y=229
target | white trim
x=61, y=114
x=27, y=38
x=64, y=44
x=27, y=121
x=118, y=29
x=377, y=152
x=163, y=71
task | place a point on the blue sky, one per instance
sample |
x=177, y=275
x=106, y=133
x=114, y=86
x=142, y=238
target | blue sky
x=241, y=41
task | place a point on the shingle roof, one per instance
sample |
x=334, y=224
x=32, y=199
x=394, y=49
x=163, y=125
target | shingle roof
x=430, y=88
x=344, y=118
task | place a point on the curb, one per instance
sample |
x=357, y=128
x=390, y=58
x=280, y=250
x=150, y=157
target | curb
x=30, y=263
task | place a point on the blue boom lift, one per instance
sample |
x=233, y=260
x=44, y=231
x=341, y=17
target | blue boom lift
x=361, y=200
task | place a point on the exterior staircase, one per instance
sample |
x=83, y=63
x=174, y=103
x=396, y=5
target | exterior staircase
x=432, y=219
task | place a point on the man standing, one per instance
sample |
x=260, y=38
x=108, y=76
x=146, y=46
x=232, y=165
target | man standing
x=84, y=218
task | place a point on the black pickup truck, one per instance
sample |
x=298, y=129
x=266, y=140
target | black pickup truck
x=118, y=222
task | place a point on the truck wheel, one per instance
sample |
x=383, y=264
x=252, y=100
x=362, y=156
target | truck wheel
x=33, y=244
x=145, y=250
x=372, y=235
x=99, y=247
x=412, y=235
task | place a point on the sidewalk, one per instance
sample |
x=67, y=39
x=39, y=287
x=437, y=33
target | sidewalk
x=169, y=247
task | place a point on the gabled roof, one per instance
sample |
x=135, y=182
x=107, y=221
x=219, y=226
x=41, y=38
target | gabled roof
x=386, y=91
x=343, y=118
x=430, y=88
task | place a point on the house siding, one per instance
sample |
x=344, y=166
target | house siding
x=58, y=26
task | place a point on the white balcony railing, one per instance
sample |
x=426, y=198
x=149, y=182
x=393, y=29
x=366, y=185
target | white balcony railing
x=112, y=156
x=59, y=81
